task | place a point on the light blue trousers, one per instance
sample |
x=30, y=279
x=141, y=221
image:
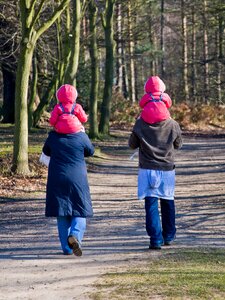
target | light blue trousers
x=69, y=225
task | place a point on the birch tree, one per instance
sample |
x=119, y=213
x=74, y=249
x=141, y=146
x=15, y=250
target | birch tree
x=193, y=89
x=205, y=53
x=119, y=62
x=185, y=52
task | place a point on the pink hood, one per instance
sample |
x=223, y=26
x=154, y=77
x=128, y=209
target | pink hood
x=66, y=94
x=154, y=84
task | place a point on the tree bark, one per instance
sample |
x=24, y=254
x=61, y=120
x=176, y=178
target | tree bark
x=151, y=40
x=107, y=21
x=33, y=93
x=93, y=115
x=119, y=63
x=185, y=52
x=71, y=71
x=193, y=58
x=20, y=151
x=218, y=68
x=205, y=54
x=131, y=55
x=162, y=46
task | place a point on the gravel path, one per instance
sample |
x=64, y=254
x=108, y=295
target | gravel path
x=31, y=263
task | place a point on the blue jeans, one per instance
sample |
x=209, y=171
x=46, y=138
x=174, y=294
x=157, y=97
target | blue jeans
x=157, y=232
x=69, y=225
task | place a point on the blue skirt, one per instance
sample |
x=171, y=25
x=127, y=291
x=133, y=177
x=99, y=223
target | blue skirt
x=155, y=183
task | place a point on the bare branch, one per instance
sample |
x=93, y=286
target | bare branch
x=53, y=18
x=37, y=14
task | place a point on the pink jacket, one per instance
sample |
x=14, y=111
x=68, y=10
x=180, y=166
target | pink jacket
x=155, y=102
x=67, y=122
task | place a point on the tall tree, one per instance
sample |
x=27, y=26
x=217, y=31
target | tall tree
x=107, y=22
x=205, y=54
x=162, y=42
x=119, y=62
x=71, y=71
x=193, y=89
x=185, y=52
x=93, y=115
x=132, y=84
x=30, y=11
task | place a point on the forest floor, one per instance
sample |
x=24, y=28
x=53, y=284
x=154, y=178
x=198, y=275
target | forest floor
x=31, y=263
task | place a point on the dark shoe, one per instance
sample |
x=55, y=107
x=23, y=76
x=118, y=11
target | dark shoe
x=155, y=247
x=75, y=245
x=169, y=242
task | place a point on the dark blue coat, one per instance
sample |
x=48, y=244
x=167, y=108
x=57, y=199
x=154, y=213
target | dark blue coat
x=68, y=191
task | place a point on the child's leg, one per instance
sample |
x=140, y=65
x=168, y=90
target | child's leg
x=153, y=223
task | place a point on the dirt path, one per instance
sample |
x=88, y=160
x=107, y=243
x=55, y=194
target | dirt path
x=31, y=263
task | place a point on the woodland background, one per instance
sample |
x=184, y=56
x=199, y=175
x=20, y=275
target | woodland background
x=108, y=49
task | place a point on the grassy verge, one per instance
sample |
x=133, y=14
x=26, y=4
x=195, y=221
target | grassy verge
x=190, y=274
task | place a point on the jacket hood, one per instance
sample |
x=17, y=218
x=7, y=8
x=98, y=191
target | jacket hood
x=66, y=94
x=154, y=84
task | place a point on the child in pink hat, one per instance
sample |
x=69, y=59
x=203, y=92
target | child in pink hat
x=155, y=102
x=67, y=116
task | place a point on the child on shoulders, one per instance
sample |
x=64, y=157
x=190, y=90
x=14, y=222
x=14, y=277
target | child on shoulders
x=155, y=102
x=67, y=116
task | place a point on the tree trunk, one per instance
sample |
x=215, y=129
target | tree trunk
x=162, y=46
x=124, y=73
x=71, y=71
x=205, y=54
x=8, y=108
x=107, y=21
x=33, y=92
x=131, y=55
x=119, y=63
x=185, y=53
x=218, y=69
x=20, y=151
x=124, y=64
x=62, y=47
x=193, y=57
x=151, y=40
x=93, y=115
x=221, y=25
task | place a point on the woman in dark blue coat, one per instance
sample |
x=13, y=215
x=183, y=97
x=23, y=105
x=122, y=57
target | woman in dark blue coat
x=68, y=194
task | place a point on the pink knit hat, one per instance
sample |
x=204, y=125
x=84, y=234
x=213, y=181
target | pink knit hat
x=67, y=93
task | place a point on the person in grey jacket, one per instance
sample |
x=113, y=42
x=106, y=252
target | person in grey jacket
x=156, y=177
